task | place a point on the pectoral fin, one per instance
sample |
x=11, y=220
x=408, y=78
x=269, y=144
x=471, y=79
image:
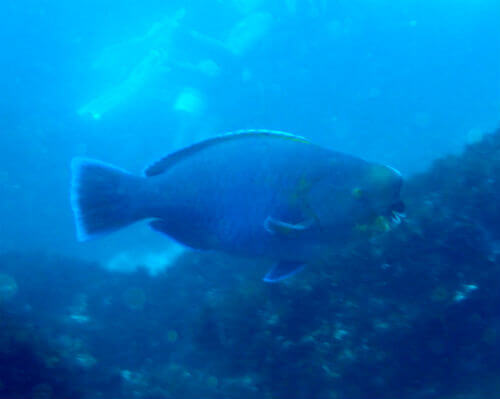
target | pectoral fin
x=279, y=227
x=282, y=271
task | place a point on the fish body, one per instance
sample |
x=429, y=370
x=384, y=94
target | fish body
x=257, y=194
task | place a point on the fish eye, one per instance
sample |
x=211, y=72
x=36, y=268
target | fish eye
x=398, y=207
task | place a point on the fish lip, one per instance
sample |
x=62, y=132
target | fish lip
x=397, y=217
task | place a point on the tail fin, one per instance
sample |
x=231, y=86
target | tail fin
x=102, y=198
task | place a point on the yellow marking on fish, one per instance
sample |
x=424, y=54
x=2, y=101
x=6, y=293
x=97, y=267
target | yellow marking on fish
x=381, y=174
x=303, y=185
x=381, y=224
x=361, y=228
x=357, y=192
x=270, y=132
x=299, y=140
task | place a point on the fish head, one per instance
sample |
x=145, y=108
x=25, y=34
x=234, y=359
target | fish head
x=379, y=198
x=382, y=189
x=366, y=198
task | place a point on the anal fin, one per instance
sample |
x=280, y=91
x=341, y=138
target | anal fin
x=282, y=271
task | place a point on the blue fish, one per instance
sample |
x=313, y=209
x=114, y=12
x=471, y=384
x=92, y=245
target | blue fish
x=255, y=193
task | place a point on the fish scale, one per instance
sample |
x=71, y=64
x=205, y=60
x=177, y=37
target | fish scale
x=254, y=193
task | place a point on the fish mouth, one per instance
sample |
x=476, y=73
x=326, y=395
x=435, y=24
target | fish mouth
x=397, y=217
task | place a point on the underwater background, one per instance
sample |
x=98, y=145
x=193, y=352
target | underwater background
x=413, y=313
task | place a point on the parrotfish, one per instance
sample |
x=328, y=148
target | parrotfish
x=257, y=193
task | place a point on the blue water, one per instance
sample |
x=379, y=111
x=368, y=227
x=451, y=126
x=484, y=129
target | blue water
x=401, y=83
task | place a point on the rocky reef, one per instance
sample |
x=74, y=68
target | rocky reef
x=412, y=313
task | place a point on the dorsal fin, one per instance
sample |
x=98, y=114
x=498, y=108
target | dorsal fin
x=163, y=164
